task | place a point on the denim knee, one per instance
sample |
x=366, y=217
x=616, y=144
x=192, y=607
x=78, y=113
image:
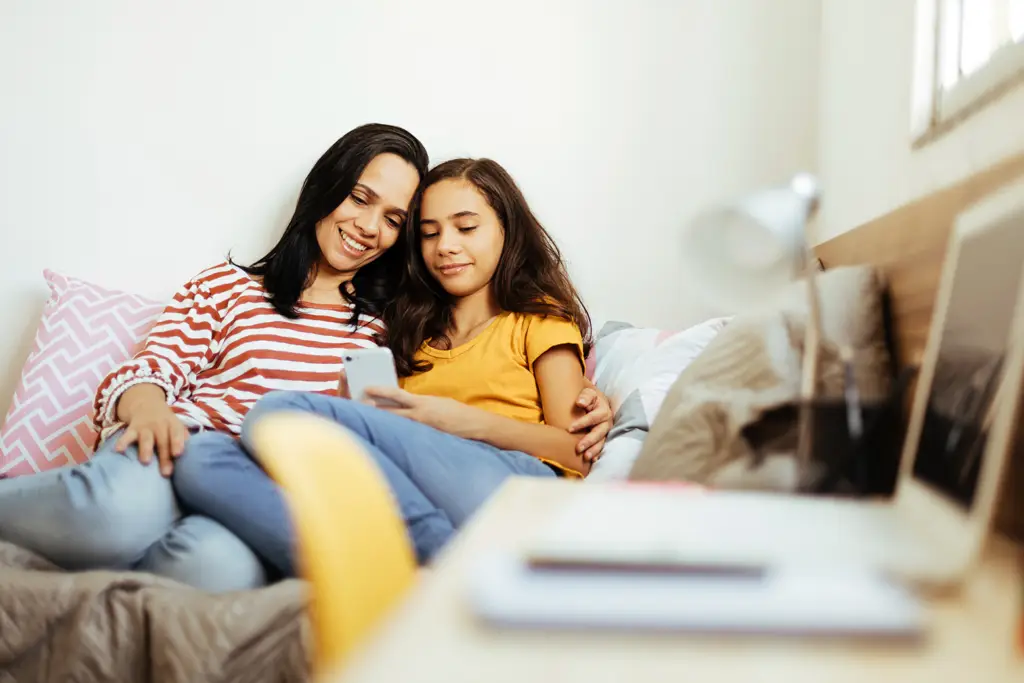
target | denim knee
x=204, y=450
x=273, y=402
x=119, y=526
x=103, y=514
x=199, y=552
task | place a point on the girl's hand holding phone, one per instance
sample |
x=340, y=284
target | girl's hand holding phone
x=444, y=414
x=453, y=417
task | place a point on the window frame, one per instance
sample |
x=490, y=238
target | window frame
x=935, y=109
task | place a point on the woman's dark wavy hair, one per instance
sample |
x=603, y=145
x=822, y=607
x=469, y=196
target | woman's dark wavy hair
x=290, y=267
x=530, y=278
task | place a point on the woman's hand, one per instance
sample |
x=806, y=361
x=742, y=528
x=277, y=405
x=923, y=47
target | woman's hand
x=343, y=390
x=152, y=425
x=596, y=423
x=443, y=414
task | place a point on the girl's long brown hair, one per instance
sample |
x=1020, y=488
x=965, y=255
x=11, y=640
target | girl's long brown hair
x=530, y=278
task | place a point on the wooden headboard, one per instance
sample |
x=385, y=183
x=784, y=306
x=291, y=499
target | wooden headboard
x=908, y=246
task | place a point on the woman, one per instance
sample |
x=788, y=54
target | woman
x=490, y=339
x=230, y=335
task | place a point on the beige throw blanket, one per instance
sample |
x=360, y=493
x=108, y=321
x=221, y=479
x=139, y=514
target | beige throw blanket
x=136, y=628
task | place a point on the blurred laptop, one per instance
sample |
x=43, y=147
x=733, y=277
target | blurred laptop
x=960, y=433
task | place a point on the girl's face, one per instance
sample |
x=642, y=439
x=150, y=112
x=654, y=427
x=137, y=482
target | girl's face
x=368, y=222
x=461, y=237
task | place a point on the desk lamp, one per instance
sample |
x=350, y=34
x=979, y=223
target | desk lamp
x=745, y=253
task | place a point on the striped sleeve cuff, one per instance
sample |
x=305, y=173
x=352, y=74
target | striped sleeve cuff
x=106, y=415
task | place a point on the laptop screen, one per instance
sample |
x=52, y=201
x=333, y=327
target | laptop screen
x=969, y=369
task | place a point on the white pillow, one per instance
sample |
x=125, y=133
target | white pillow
x=635, y=368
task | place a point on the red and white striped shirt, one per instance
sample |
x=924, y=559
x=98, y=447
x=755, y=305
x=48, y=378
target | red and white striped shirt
x=219, y=346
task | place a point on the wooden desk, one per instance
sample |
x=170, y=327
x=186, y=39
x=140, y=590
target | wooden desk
x=434, y=637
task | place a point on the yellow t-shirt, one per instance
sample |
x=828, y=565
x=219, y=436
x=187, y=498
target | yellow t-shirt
x=494, y=370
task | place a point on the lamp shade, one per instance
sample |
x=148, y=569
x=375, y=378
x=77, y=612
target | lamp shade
x=742, y=255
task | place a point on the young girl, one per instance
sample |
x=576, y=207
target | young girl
x=489, y=337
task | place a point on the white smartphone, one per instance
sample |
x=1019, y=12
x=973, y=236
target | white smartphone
x=369, y=368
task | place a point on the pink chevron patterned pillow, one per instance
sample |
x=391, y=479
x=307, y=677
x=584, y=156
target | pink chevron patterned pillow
x=84, y=333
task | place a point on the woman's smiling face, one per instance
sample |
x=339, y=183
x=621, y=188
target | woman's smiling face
x=368, y=222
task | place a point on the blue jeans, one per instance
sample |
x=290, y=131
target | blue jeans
x=438, y=480
x=113, y=512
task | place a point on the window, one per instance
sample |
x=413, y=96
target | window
x=967, y=53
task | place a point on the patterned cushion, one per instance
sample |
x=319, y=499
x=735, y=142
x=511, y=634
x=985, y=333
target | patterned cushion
x=635, y=367
x=84, y=333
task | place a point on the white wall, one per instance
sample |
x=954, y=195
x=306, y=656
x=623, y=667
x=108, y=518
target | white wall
x=140, y=141
x=865, y=160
